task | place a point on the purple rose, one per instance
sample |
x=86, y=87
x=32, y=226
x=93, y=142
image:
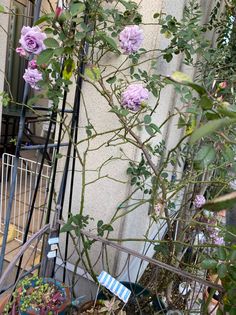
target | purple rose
x=218, y=240
x=199, y=201
x=33, y=76
x=32, y=64
x=32, y=39
x=131, y=39
x=134, y=96
x=21, y=51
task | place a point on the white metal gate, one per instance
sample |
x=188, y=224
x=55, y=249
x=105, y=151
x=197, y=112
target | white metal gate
x=25, y=183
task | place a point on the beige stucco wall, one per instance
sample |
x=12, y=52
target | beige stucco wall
x=103, y=197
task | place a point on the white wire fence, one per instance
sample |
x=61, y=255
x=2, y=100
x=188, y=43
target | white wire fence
x=27, y=173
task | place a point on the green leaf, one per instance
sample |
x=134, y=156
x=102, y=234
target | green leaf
x=80, y=35
x=155, y=128
x=45, y=56
x=108, y=40
x=77, y=219
x=2, y=8
x=219, y=311
x=182, y=78
x=124, y=112
x=48, y=30
x=44, y=18
x=51, y=43
x=147, y=119
x=205, y=102
x=210, y=127
x=129, y=5
x=58, y=51
x=205, y=156
x=100, y=223
x=76, y=8
x=35, y=99
x=67, y=228
x=222, y=271
x=111, y=80
x=198, y=88
x=58, y=156
x=69, y=67
x=149, y=130
x=162, y=248
x=223, y=202
x=222, y=253
x=209, y=264
x=232, y=311
x=225, y=112
x=93, y=72
x=168, y=57
x=233, y=256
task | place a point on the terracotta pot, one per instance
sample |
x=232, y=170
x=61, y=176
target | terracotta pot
x=4, y=298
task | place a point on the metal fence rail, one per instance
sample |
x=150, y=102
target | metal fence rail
x=27, y=172
x=89, y=261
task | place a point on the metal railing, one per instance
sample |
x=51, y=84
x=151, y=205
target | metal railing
x=27, y=172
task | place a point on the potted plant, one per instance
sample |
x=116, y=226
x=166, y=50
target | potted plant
x=103, y=307
x=39, y=296
x=141, y=299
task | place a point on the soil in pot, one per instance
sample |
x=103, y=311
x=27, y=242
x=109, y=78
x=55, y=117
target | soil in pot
x=93, y=308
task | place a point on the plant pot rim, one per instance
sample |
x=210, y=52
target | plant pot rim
x=62, y=287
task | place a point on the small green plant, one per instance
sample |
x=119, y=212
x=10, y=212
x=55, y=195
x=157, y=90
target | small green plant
x=107, y=307
x=36, y=294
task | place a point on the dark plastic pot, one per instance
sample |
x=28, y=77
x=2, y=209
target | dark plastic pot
x=137, y=293
x=61, y=288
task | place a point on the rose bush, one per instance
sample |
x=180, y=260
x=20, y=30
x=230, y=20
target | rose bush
x=177, y=183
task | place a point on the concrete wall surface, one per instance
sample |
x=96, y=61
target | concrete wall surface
x=104, y=196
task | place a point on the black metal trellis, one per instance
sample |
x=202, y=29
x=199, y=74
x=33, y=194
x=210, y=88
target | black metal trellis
x=17, y=154
x=48, y=266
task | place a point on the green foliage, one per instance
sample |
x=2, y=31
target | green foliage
x=76, y=8
x=45, y=56
x=205, y=156
x=210, y=127
x=2, y=9
x=86, y=36
x=51, y=43
x=139, y=173
x=5, y=99
x=223, y=202
x=223, y=266
x=76, y=223
x=93, y=73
